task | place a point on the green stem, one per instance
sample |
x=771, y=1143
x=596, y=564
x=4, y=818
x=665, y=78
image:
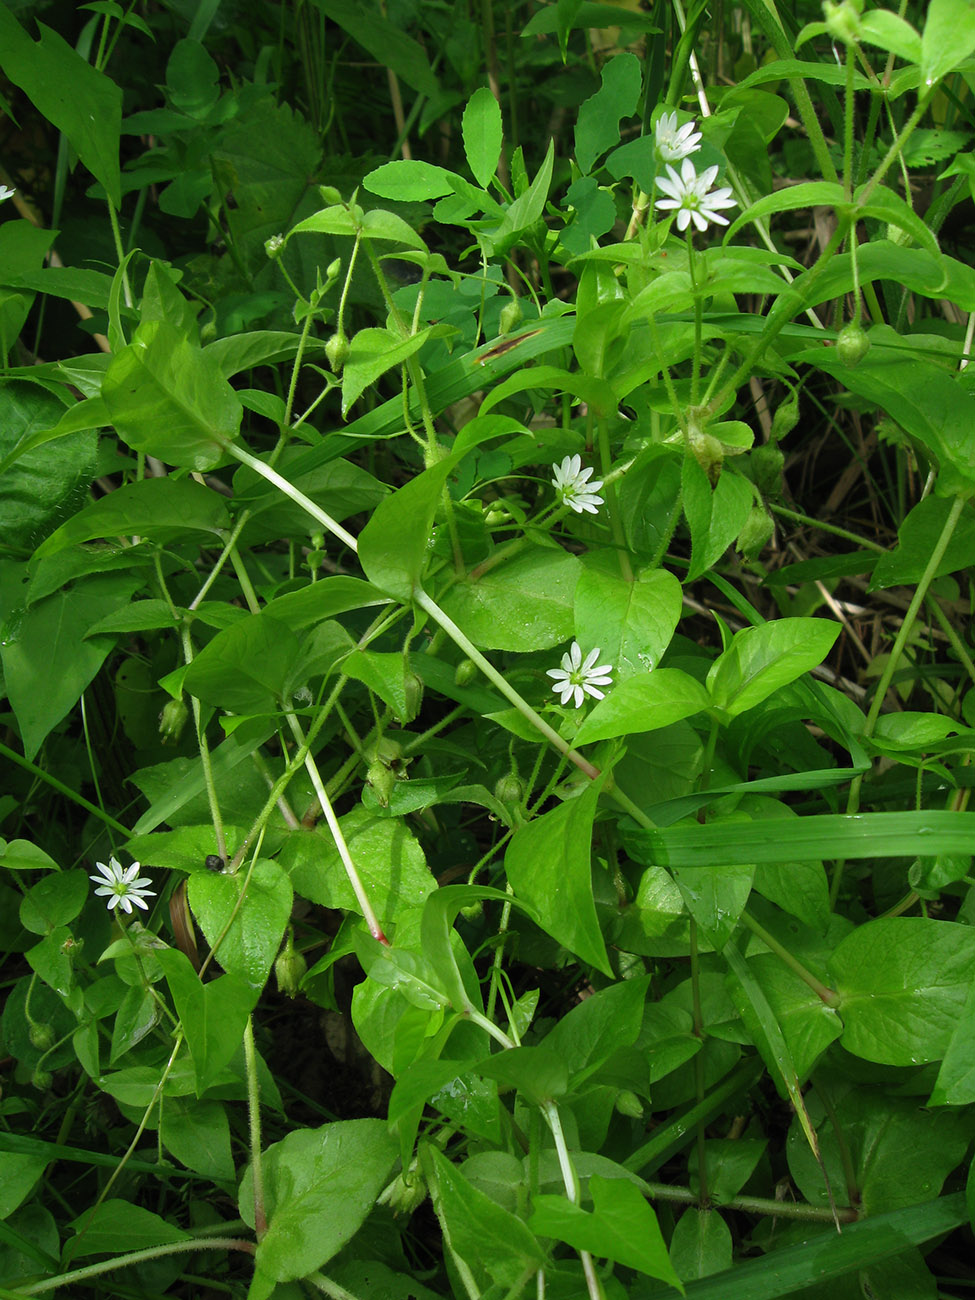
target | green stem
x=365, y=906
x=254, y=1126
x=612, y=501
x=293, y=493
x=826, y=995
x=135, y=1257
x=431, y=607
x=66, y=790
x=211, y=789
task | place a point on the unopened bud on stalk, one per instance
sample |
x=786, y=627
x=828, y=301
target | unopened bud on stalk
x=172, y=720
x=290, y=967
x=852, y=344
x=274, y=245
x=337, y=351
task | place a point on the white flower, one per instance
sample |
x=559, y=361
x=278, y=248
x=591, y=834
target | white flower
x=674, y=142
x=121, y=888
x=689, y=196
x=571, y=483
x=6, y=192
x=580, y=677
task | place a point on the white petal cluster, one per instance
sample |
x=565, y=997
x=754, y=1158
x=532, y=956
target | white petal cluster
x=674, y=143
x=6, y=192
x=572, y=486
x=580, y=677
x=687, y=195
x=122, y=886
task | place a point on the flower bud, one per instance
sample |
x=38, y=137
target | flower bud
x=337, y=351
x=274, y=245
x=413, y=691
x=383, y=780
x=510, y=789
x=334, y=269
x=785, y=418
x=843, y=20
x=465, y=672
x=511, y=315
x=41, y=1036
x=290, y=967
x=42, y=1080
x=766, y=462
x=172, y=720
x=406, y=1194
x=756, y=532
x=330, y=195
x=472, y=912
x=852, y=344
x=629, y=1104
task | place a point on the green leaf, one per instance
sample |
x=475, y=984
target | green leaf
x=247, y=913
x=197, y=1133
x=892, y=33
x=524, y=212
x=393, y=546
x=948, y=38
x=762, y=659
x=136, y=1017
x=18, y=1174
x=388, y=44
x=163, y=509
x=549, y=866
x=192, y=79
x=53, y=901
x=116, y=1226
x=491, y=1241
x=522, y=604
x=410, y=180
x=926, y=400
x=598, y=125
x=167, y=398
x=808, y=1025
x=901, y=1153
x=716, y=898
x=867, y=835
x=715, y=517
x=245, y=667
x=829, y=1254
x=391, y=865
x=319, y=1186
x=903, y=983
x=916, y=539
x=75, y=97
x=631, y=622
x=47, y=662
x=40, y=488
x=481, y=125
x=644, y=704
x=212, y=1015
x=701, y=1244
x=371, y=353
x=622, y=1227
x=22, y=855
x=588, y=1035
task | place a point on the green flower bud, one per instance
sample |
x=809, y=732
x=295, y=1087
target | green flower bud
x=473, y=911
x=42, y=1080
x=383, y=780
x=208, y=331
x=387, y=751
x=510, y=789
x=172, y=720
x=406, y=1194
x=413, y=690
x=628, y=1103
x=41, y=1036
x=334, y=269
x=852, y=344
x=330, y=195
x=290, y=967
x=274, y=245
x=756, y=532
x=785, y=418
x=465, y=672
x=511, y=315
x=337, y=351
x=766, y=463
x=843, y=20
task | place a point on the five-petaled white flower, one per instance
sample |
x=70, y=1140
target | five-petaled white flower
x=688, y=195
x=6, y=192
x=675, y=142
x=572, y=486
x=580, y=677
x=121, y=887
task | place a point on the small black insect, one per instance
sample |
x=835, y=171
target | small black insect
x=215, y=863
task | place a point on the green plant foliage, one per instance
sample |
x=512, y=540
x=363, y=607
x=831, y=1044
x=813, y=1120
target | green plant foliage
x=485, y=575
